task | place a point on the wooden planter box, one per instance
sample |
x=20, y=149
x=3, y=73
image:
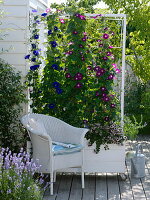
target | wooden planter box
x=112, y=160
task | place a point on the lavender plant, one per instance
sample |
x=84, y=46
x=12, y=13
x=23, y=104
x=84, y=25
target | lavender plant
x=17, y=179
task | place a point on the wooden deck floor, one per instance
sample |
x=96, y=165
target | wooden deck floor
x=106, y=186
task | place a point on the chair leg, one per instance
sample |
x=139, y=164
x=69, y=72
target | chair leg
x=54, y=176
x=82, y=178
x=51, y=183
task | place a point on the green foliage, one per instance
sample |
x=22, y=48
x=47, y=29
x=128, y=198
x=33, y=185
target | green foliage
x=76, y=83
x=138, y=38
x=11, y=95
x=131, y=127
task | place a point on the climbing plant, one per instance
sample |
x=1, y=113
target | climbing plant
x=77, y=82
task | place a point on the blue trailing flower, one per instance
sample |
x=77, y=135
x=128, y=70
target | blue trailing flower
x=36, y=52
x=56, y=84
x=51, y=105
x=59, y=91
x=34, y=67
x=36, y=36
x=44, y=14
x=55, y=66
x=27, y=56
x=53, y=43
x=33, y=59
x=33, y=46
x=55, y=28
x=49, y=32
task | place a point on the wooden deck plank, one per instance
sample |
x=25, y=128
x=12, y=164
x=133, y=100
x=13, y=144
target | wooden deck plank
x=76, y=189
x=113, y=188
x=89, y=190
x=101, y=187
x=64, y=188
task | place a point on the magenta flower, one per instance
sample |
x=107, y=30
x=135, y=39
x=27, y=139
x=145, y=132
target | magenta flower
x=111, y=76
x=97, y=94
x=79, y=76
x=68, y=75
x=89, y=68
x=99, y=40
x=110, y=47
x=84, y=39
x=78, y=85
x=118, y=71
x=106, y=99
x=103, y=89
x=105, y=36
x=70, y=52
x=97, y=68
x=104, y=94
x=102, y=70
x=105, y=58
x=80, y=45
x=106, y=118
x=48, y=10
x=82, y=58
x=99, y=73
x=112, y=105
x=108, y=53
x=114, y=65
x=100, y=45
x=75, y=32
x=62, y=21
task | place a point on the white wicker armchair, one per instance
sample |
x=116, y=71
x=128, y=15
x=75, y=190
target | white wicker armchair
x=43, y=149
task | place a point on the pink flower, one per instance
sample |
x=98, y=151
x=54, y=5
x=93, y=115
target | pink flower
x=105, y=58
x=109, y=53
x=105, y=36
x=48, y=10
x=118, y=71
x=112, y=105
x=62, y=21
x=114, y=65
x=75, y=32
x=110, y=47
x=111, y=76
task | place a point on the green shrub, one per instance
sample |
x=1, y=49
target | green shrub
x=11, y=96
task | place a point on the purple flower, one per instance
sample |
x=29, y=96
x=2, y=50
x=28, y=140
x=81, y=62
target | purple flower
x=104, y=58
x=103, y=89
x=105, y=36
x=97, y=94
x=34, y=67
x=56, y=84
x=49, y=32
x=89, y=67
x=98, y=73
x=111, y=76
x=112, y=105
x=105, y=29
x=70, y=52
x=101, y=45
x=97, y=68
x=33, y=46
x=78, y=85
x=83, y=58
x=109, y=53
x=78, y=76
x=55, y=28
x=84, y=39
x=59, y=91
x=27, y=56
x=34, y=10
x=80, y=45
x=53, y=43
x=43, y=14
x=102, y=70
x=36, y=52
x=68, y=75
x=36, y=36
x=106, y=118
x=75, y=32
x=104, y=94
x=55, y=66
x=106, y=98
x=33, y=59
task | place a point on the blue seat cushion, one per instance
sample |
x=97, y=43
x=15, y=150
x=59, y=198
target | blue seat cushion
x=61, y=150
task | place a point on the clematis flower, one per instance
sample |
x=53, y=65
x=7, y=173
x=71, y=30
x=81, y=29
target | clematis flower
x=56, y=84
x=75, y=32
x=108, y=53
x=68, y=75
x=51, y=105
x=36, y=52
x=55, y=66
x=36, y=36
x=44, y=14
x=49, y=32
x=111, y=76
x=78, y=85
x=34, y=67
x=105, y=36
x=27, y=56
x=106, y=118
x=103, y=89
x=53, y=43
x=112, y=105
x=97, y=68
x=62, y=21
